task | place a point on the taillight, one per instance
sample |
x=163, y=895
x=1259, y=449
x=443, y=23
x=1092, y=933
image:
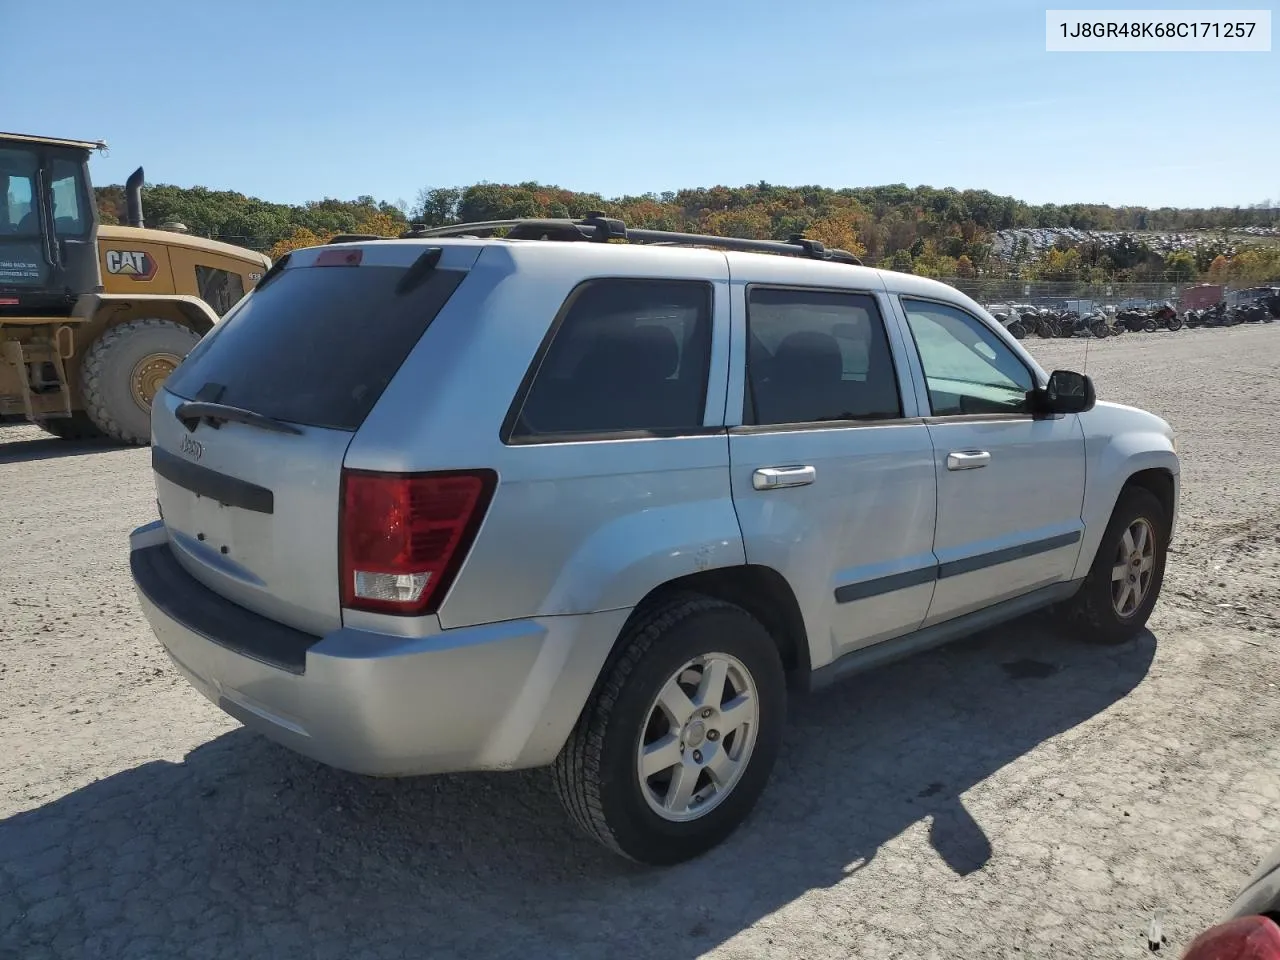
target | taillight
x=1246, y=938
x=404, y=536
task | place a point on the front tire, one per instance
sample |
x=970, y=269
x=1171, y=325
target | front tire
x=1017, y=330
x=1117, y=597
x=680, y=735
x=125, y=368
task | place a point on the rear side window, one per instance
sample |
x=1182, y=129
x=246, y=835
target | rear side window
x=220, y=289
x=817, y=356
x=315, y=345
x=627, y=355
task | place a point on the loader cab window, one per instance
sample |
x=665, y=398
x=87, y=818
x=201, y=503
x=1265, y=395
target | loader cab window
x=220, y=289
x=68, y=199
x=18, y=215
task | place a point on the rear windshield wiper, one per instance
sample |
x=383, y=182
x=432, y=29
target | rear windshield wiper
x=193, y=411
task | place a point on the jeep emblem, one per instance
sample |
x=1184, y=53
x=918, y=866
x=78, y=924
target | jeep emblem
x=192, y=448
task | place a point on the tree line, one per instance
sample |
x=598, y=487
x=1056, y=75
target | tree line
x=941, y=232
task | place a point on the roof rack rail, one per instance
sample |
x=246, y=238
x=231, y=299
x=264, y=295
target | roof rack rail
x=596, y=227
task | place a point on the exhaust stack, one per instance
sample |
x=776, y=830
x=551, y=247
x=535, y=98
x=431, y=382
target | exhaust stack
x=133, y=198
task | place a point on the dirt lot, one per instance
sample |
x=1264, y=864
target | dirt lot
x=1020, y=794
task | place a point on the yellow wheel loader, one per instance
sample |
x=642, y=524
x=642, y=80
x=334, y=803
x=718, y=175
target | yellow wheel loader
x=93, y=317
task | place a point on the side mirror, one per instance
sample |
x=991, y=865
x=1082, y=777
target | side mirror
x=1066, y=392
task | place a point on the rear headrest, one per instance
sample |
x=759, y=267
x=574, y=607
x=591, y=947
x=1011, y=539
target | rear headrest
x=656, y=350
x=632, y=353
x=808, y=354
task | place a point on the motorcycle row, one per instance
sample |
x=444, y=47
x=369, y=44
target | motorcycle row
x=1070, y=323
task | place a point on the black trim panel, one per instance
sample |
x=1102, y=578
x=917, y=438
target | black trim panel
x=862, y=590
x=955, y=568
x=204, y=482
x=183, y=598
x=894, y=581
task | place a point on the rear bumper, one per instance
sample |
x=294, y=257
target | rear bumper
x=498, y=696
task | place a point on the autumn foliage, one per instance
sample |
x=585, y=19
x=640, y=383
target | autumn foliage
x=933, y=232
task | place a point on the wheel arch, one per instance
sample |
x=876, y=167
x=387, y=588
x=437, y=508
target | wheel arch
x=1161, y=483
x=554, y=712
x=110, y=310
x=760, y=590
x=1154, y=469
x=99, y=313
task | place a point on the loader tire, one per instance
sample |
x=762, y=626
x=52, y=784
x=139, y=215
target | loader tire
x=124, y=369
x=78, y=426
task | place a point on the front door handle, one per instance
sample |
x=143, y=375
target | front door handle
x=773, y=478
x=967, y=459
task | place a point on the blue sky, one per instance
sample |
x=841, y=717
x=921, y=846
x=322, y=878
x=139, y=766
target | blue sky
x=293, y=101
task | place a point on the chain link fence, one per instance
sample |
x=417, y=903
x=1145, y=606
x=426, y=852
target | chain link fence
x=1067, y=295
x=1073, y=295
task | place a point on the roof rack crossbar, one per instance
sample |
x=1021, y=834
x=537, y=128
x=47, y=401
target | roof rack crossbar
x=597, y=227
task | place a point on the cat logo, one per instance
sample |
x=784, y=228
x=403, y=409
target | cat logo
x=136, y=264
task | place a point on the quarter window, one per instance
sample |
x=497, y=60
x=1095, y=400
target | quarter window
x=220, y=289
x=628, y=355
x=815, y=356
x=968, y=369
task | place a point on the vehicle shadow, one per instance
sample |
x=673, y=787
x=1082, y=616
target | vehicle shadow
x=245, y=850
x=51, y=448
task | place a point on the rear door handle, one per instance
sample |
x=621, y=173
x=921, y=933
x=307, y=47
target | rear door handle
x=773, y=478
x=967, y=459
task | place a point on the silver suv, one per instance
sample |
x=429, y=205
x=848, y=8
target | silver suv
x=471, y=503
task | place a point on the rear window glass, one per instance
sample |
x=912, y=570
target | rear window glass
x=315, y=345
x=629, y=355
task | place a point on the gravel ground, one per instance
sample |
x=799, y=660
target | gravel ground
x=1019, y=794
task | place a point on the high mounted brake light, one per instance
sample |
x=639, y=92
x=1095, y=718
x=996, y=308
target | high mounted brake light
x=403, y=536
x=339, y=258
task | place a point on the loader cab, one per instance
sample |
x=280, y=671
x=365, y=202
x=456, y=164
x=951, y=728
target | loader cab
x=48, y=225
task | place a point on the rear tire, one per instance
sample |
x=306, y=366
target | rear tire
x=124, y=369
x=1103, y=610
x=78, y=426
x=1151, y=326
x=1017, y=330
x=676, y=644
